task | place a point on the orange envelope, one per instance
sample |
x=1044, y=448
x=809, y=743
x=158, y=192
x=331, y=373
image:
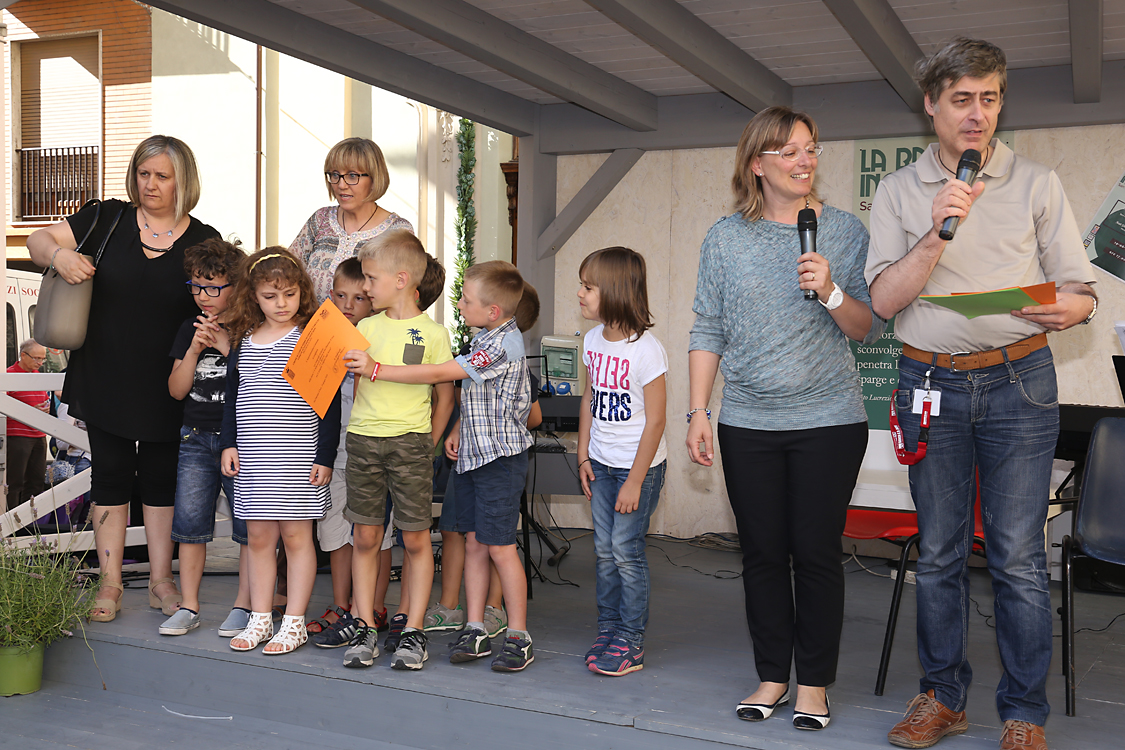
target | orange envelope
x=316, y=367
x=1043, y=293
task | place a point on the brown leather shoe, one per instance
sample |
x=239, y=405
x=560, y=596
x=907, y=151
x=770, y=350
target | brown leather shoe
x=1022, y=735
x=927, y=721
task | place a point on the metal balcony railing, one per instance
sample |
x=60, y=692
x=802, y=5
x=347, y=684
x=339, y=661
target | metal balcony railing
x=56, y=182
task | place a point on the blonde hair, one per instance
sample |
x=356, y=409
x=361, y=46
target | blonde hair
x=621, y=277
x=362, y=154
x=183, y=169
x=499, y=283
x=397, y=250
x=770, y=129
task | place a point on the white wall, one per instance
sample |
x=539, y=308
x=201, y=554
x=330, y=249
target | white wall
x=494, y=233
x=203, y=92
x=664, y=207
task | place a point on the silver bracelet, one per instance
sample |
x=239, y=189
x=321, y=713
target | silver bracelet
x=57, y=249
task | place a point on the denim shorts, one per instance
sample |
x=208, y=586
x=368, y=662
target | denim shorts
x=450, y=518
x=488, y=499
x=198, y=481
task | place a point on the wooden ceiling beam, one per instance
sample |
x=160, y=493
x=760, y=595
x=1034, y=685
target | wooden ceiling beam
x=691, y=43
x=1086, y=41
x=321, y=44
x=484, y=37
x=880, y=34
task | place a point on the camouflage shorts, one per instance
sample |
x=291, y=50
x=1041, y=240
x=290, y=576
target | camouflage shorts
x=402, y=467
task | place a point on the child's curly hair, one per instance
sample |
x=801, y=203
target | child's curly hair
x=212, y=258
x=275, y=266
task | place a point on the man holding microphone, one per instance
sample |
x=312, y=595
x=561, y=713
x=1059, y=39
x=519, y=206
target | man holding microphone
x=990, y=383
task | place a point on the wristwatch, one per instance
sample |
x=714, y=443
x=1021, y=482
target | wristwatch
x=837, y=298
x=1092, y=312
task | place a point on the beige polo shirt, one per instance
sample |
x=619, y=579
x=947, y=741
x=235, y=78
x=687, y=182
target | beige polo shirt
x=1019, y=232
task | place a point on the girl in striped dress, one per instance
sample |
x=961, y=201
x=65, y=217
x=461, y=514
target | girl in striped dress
x=278, y=450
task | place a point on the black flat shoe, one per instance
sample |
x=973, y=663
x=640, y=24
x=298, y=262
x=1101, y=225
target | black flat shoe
x=813, y=722
x=760, y=711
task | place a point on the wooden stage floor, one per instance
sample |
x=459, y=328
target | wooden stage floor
x=698, y=665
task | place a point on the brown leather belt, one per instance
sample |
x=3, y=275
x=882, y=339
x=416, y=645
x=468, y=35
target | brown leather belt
x=977, y=360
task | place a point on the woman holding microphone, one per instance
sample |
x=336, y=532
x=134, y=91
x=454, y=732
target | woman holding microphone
x=793, y=430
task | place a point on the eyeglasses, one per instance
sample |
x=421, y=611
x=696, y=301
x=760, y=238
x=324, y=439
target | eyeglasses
x=352, y=178
x=33, y=358
x=791, y=153
x=211, y=291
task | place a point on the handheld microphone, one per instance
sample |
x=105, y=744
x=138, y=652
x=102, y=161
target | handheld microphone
x=806, y=228
x=967, y=170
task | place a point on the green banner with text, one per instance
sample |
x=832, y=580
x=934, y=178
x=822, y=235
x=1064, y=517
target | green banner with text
x=876, y=158
x=877, y=365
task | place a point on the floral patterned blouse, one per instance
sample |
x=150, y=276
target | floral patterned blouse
x=322, y=244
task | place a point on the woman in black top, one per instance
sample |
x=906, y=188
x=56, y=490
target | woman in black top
x=118, y=380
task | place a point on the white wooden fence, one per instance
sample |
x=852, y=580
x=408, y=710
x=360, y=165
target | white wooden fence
x=62, y=493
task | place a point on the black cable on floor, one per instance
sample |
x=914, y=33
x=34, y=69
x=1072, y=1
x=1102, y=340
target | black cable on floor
x=1096, y=630
x=731, y=575
x=558, y=566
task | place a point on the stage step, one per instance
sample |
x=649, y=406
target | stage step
x=396, y=707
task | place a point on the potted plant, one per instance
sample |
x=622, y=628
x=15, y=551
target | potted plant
x=42, y=598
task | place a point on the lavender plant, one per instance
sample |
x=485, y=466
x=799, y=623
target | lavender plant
x=42, y=593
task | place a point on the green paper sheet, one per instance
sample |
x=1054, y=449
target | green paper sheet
x=999, y=302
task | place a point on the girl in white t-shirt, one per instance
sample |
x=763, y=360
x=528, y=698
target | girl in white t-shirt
x=621, y=449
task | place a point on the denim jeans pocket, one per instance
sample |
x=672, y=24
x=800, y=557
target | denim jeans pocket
x=1038, y=386
x=904, y=398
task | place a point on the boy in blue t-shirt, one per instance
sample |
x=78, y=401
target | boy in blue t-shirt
x=490, y=446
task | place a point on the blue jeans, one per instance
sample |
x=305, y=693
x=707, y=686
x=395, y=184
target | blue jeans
x=198, y=480
x=1004, y=422
x=619, y=544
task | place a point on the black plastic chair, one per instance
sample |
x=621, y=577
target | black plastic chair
x=1099, y=526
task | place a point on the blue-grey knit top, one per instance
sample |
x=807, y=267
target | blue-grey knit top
x=786, y=363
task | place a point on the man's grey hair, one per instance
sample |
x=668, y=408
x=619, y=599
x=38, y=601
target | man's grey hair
x=960, y=57
x=26, y=346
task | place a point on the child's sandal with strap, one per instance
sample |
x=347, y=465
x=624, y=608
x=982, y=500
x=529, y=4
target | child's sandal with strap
x=322, y=623
x=258, y=629
x=291, y=635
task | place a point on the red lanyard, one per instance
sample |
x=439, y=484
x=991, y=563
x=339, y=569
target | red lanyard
x=905, y=457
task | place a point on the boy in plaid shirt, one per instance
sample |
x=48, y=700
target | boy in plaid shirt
x=490, y=445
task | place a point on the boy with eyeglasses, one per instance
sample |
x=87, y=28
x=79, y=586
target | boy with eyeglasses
x=199, y=380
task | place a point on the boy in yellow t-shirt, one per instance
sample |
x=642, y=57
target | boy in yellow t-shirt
x=390, y=443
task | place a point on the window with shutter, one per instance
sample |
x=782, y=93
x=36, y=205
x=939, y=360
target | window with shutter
x=60, y=125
